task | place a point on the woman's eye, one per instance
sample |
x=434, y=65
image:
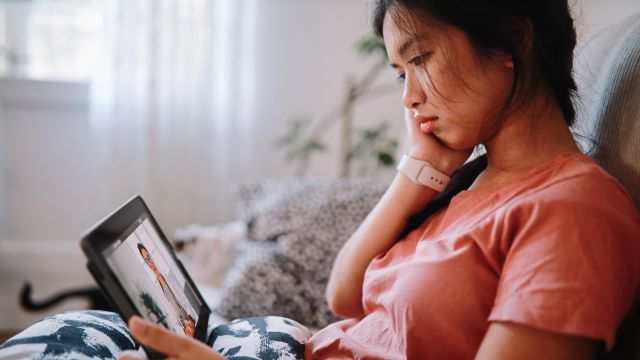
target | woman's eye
x=400, y=79
x=419, y=59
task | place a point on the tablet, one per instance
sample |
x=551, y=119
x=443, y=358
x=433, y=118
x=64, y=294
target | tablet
x=139, y=273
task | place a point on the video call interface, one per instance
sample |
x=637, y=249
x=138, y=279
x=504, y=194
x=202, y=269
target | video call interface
x=153, y=281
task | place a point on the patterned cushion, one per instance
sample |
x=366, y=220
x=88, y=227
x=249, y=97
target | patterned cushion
x=75, y=335
x=296, y=228
x=103, y=335
x=265, y=338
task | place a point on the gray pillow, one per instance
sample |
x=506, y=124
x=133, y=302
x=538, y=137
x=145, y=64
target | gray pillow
x=296, y=228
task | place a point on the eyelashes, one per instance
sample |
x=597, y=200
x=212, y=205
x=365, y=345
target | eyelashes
x=417, y=60
x=420, y=59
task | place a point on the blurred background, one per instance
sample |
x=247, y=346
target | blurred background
x=177, y=100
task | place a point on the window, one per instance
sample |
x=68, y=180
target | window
x=50, y=39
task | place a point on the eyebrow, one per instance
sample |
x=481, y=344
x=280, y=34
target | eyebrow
x=407, y=44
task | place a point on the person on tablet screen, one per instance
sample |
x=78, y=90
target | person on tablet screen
x=188, y=323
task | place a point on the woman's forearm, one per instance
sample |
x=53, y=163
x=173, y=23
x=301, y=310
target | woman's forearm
x=378, y=232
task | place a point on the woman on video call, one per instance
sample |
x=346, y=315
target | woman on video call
x=186, y=320
x=528, y=251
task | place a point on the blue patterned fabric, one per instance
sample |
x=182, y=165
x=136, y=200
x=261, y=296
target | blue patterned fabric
x=267, y=338
x=104, y=335
x=75, y=335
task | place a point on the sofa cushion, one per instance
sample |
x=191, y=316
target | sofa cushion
x=607, y=72
x=296, y=228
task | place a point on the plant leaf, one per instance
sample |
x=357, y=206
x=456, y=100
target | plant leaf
x=386, y=159
x=372, y=44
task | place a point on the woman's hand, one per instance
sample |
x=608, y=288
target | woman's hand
x=424, y=145
x=174, y=346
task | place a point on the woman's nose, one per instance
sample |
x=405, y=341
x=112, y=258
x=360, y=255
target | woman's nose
x=413, y=94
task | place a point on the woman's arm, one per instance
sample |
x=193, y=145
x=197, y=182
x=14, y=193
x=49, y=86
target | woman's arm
x=376, y=234
x=381, y=228
x=513, y=341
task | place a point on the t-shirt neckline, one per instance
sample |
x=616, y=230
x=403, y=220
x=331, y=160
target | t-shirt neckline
x=519, y=178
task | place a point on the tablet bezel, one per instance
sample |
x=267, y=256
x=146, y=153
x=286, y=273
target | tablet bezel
x=105, y=233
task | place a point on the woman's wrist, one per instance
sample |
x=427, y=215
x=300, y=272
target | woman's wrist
x=409, y=198
x=442, y=164
x=422, y=173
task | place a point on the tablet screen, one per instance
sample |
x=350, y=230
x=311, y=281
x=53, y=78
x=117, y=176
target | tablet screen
x=150, y=276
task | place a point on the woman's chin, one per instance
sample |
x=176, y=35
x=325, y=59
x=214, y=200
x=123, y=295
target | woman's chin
x=458, y=144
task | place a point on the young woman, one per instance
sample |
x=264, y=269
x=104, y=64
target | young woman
x=528, y=252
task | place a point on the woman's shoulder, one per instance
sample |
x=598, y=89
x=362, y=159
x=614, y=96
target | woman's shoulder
x=567, y=179
x=576, y=179
x=571, y=238
x=574, y=203
x=571, y=188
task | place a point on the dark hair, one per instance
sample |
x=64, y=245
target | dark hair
x=538, y=34
x=140, y=247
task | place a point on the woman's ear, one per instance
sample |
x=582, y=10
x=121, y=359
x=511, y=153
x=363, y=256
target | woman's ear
x=521, y=33
x=508, y=62
x=503, y=60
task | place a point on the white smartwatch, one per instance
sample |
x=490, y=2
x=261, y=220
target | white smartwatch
x=422, y=173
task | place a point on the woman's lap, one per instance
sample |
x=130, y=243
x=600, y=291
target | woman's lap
x=100, y=334
x=73, y=335
x=267, y=338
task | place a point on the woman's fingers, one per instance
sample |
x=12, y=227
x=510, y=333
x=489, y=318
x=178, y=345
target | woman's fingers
x=170, y=344
x=131, y=355
x=159, y=338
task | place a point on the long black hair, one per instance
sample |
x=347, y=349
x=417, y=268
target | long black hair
x=538, y=34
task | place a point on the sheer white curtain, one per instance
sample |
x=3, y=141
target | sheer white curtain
x=170, y=105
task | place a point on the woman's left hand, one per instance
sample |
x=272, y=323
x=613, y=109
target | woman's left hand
x=172, y=345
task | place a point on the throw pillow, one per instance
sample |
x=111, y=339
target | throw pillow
x=307, y=221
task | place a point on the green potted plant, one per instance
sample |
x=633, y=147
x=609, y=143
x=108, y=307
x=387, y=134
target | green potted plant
x=365, y=150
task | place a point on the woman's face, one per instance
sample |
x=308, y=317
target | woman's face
x=443, y=77
x=147, y=259
x=189, y=327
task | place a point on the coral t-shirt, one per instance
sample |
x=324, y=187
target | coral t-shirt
x=557, y=248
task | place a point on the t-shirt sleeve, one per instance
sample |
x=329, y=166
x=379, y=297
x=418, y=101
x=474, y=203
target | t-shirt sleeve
x=571, y=266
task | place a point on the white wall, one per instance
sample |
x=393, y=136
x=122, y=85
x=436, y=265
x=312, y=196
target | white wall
x=304, y=56
x=47, y=159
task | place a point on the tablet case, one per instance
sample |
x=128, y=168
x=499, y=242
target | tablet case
x=104, y=234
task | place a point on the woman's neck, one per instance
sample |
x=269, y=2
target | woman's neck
x=526, y=140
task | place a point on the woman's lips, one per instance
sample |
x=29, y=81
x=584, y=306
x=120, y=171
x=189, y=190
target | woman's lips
x=428, y=124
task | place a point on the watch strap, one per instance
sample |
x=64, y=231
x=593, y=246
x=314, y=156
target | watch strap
x=422, y=173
